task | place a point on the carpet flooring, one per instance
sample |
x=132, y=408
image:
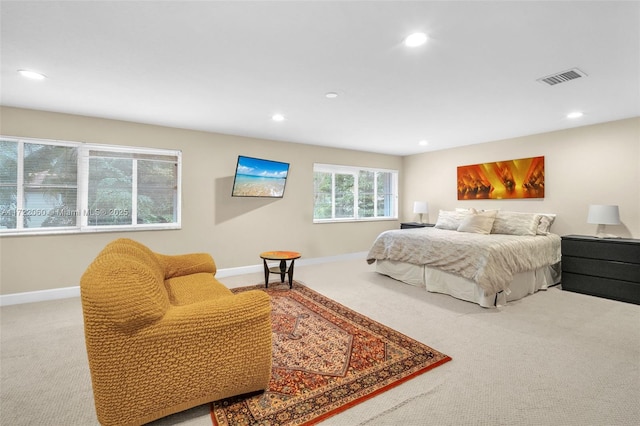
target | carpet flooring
x=326, y=358
x=553, y=358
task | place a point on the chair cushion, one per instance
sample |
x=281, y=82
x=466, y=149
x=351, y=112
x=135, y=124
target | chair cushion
x=185, y=264
x=194, y=288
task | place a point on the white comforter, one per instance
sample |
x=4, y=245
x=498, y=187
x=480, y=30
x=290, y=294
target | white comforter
x=488, y=260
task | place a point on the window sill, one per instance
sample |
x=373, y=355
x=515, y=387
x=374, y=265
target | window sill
x=87, y=230
x=347, y=220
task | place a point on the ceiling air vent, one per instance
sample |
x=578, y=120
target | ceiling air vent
x=563, y=76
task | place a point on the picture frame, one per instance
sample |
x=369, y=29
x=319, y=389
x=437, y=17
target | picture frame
x=510, y=179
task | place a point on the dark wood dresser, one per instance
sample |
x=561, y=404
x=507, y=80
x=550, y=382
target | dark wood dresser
x=604, y=267
x=409, y=225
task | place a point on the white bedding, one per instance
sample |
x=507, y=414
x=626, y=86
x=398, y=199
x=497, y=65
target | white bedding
x=437, y=281
x=490, y=261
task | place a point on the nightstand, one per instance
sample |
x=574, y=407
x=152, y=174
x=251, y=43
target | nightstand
x=604, y=267
x=409, y=225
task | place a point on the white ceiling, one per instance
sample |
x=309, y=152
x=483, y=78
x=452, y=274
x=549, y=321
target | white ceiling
x=226, y=67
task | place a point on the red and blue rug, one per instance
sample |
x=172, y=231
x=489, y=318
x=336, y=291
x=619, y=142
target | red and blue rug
x=326, y=358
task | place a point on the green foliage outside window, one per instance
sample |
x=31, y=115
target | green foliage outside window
x=322, y=207
x=39, y=186
x=366, y=195
x=344, y=196
x=110, y=191
x=157, y=186
x=342, y=192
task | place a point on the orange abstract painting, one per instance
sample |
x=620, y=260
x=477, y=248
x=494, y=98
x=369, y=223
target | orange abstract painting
x=522, y=178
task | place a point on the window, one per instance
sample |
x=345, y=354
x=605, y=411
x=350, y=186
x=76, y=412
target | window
x=55, y=187
x=343, y=193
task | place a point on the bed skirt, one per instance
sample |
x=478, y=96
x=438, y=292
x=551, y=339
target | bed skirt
x=436, y=281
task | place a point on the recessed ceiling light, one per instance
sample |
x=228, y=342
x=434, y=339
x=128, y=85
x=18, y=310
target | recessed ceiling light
x=32, y=74
x=415, y=39
x=423, y=142
x=576, y=114
x=331, y=95
x=277, y=117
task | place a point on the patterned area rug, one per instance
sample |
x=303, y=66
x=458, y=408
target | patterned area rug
x=326, y=358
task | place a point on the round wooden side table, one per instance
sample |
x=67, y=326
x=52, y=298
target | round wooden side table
x=282, y=269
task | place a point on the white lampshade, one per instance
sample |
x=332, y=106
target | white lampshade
x=420, y=207
x=603, y=215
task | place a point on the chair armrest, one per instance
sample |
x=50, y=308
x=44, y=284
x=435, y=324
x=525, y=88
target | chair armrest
x=186, y=264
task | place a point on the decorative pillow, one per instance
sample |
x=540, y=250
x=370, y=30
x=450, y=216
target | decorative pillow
x=546, y=220
x=479, y=223
x=516, y=223
x=450, y=219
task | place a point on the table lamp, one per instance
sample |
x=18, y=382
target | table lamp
x=603, y=215
x=420, y=207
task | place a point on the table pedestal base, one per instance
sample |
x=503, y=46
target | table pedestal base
x=282, y=270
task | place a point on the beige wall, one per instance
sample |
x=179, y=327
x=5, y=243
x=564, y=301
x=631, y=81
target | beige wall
x=233, y=230
x=597, y=164
x=592, y=164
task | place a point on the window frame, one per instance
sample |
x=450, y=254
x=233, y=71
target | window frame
x=82, y=194
x=355, y=172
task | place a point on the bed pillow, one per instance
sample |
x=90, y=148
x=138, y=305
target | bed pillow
x=546, y=220
x=479, y=223
x=450, y=220
x=516, y=223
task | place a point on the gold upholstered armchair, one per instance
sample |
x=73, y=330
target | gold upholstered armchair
x=163, y=335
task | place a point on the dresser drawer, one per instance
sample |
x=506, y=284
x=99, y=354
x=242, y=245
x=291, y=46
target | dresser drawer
x=603, y=287
x=602, y=268
x=597, y=248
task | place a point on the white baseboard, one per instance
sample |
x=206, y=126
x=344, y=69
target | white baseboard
x=67, y=292
x=39, y=296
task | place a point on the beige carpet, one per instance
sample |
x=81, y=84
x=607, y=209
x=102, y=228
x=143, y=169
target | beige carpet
x=554, y=358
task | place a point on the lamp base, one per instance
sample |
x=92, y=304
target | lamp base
x=601, y=235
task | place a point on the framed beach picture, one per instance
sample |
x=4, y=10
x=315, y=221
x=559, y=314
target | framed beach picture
x=257, y=177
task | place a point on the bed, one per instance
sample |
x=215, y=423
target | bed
x=485, y=257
